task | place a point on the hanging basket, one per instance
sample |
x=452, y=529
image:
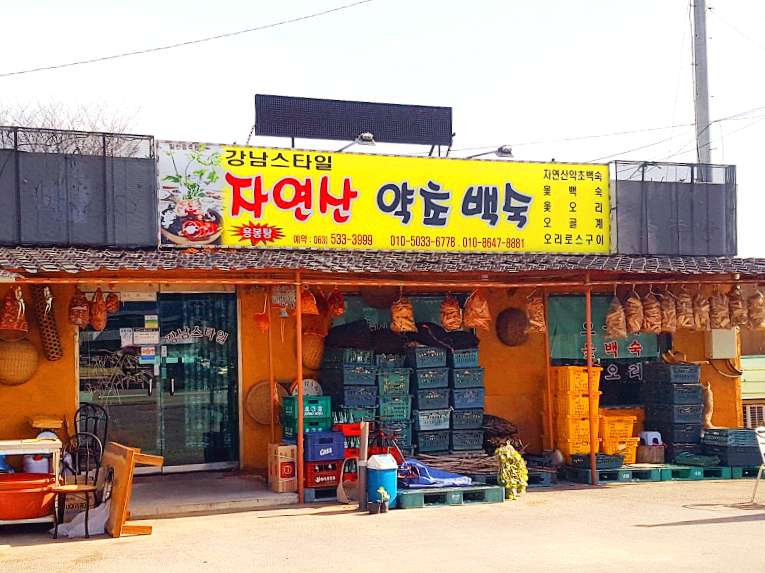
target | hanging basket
x=258, y=402
x=313, y=350
x=13, y=322
x=18, y=362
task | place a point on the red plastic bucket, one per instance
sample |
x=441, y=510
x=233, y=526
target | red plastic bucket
x=26, y=496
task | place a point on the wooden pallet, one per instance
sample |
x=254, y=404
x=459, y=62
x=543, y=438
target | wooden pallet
x=423, y=497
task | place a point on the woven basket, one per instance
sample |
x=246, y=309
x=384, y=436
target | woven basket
x=258, y=402
x=313, y=350
x=18, y=362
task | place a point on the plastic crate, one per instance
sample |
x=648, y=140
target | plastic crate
x=290, y=426
x=672, y=393
x=616, y=427
x=466, y=358
x=570, y=428
x=313, y=406
x=672, y=373
x=348, y=429
x=671, y=433
x=574, y=404
x=626, y=448
x=570, y=447
x=671, y=451
x=393, y=381
x=466, y=440
x=356, y=415
x=359, y=396
x=602, y=461
x=746, y=456
x=573, y=379
x=730, y=437
x=350, y=374
x=339, y=356
x=395, y=407
x=322, y=474
x=467, y=398
x=466, y=377
x=401, y=432
x=468, y=419
x=431, y=399
x=432, y=441
x=423, y=378
x=390, y=360
x=431, y=420
x=426, y=357
x=675, y=414
x=324, y=446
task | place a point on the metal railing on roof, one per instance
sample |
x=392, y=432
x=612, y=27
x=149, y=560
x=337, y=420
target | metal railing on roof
x=42, y=140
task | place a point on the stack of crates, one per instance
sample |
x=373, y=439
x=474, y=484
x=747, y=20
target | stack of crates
x=616, y=435
x=349, y=376
x=466, y=397
x=430, y=390
x=317, y=416
x=673, y=399
x=733, y=446
x=571, y=409
x=394, y=403
x=352, y=443
x=324, y=454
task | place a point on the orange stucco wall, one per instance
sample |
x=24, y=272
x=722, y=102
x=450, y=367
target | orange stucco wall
x=52, y=389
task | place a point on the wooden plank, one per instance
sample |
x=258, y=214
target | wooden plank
x=131, y=529
x=148, y=460
x=119, y=459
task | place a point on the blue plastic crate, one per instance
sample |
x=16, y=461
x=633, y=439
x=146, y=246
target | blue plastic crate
x=423, y=378
x=390, y=360
x=730, y=437
x=356, y=415
x=359, y=396
x=467, y=398
x=657, y=393
x=431, y=420
x=466, y=358
x=399, y=431
x=340, y=356
x=393, y=381
x=432, y=441
x=674, y=414
x=671, y=433
x=350, y=374
x=426, y=357
x=462, y=440
x=466, y=377
x=672, y=373
x=324, y=446
x=431, y=399
x=467, y=419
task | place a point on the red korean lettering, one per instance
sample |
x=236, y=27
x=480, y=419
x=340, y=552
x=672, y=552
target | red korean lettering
x=341, y=206
x=238, y=202
x=300, y=203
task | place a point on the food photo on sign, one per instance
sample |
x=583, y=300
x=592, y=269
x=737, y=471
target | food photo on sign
x=290, y=198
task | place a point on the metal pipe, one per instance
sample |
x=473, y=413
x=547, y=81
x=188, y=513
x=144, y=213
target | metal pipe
x=548, y=358
x=299, y=337
x=271, y=380
x=591, y=393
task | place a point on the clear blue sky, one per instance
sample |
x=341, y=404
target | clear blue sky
x=514, y=72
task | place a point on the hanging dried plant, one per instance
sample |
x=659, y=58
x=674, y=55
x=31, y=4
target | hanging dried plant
x=668, y=311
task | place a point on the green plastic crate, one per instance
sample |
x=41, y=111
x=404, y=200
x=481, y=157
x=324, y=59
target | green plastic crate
x=313, y=406
x=393, y=381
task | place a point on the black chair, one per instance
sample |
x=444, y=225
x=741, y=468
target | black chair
x=92, y=419
x=81, y=461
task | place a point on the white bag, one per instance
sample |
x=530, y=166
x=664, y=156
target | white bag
x=97, y=518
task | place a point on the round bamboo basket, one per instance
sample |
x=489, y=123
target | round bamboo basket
x=18, y=362
x=258, y=402
x=313, y=350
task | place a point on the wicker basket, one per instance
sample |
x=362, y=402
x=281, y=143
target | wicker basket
x=47, y=323
x=18, y=362
x=313, y=350
x=258, y=402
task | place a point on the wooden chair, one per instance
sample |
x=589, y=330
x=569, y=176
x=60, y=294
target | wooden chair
x=760, y=433
x=93, y=419
x=81, y=460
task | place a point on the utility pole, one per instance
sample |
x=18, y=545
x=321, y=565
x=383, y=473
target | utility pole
x=701, y=81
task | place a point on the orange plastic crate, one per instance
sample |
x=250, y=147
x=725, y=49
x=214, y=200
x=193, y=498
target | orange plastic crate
x=574, y=379
x=626, y=448
x=575, y=405
x=616, y=427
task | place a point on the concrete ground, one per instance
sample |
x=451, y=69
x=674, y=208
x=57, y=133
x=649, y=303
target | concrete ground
x=697, y=527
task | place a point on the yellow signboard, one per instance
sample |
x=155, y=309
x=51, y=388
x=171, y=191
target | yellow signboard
x=272, y=198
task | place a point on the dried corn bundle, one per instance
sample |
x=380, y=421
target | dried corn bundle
x=651, y=314
x=633, y=313
x=756, y=307
x=535, y=311
x=402, y=316
x=684, y=305
x=719, y=310
x=668, y=312
x=737, y=305
x=616, y=324
x=477, y=314
x=701, y=318
x=451, y=314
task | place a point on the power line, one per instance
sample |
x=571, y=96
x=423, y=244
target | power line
x=189, y=43
x=752, y=9
x=714, y=13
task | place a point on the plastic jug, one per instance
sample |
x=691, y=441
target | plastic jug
x=382, y=471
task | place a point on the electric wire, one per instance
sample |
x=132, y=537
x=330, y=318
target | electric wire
x=189, y=43
x=715, y=14
x=752, y=9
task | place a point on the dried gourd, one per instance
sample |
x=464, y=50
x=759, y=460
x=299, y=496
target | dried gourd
x=701, y=317
x=616, y=324
x=98, y=310
x=336, y=303
x=651, y=314
x=684, y=304
x=668, y=312
x=535, y=312
x=79, y=309
x=402, y=316
x=308, y=303
x=719, y=311
x=633, y=312
x=477, y=314
x=112, y=302
x=756, y=307
x=737, y=306
x=451, y=313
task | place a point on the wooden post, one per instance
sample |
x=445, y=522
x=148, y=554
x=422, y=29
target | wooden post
x=548, y=358
x=591, y=392
x=299, y=336
x=271, y=379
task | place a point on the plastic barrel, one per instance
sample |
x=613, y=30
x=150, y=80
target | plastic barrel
x=382, y=471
